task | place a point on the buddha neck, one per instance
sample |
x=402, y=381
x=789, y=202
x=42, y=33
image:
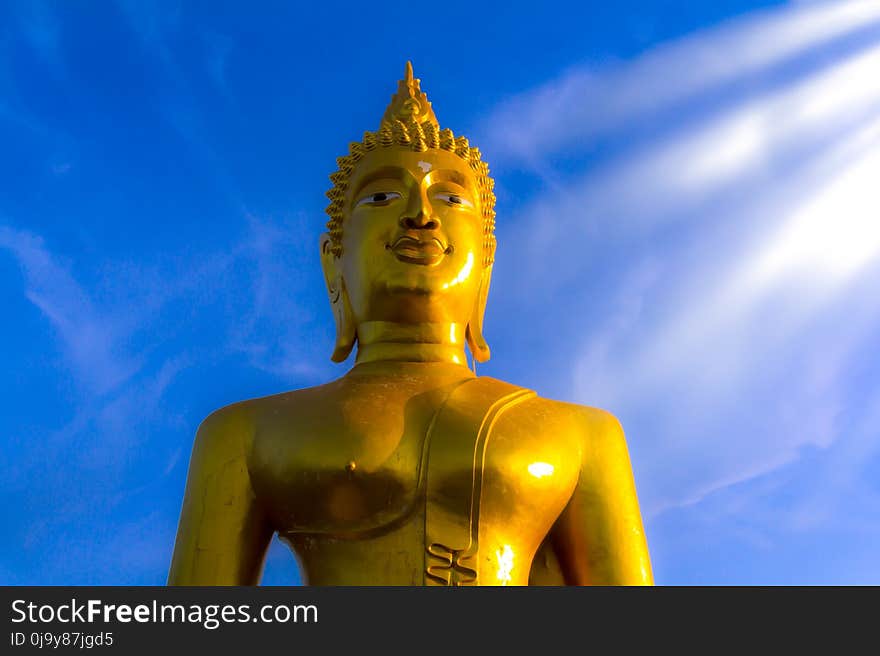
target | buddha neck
x=411, y=342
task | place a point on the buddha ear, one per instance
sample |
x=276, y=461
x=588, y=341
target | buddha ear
x=474, y=332
x=345, y=325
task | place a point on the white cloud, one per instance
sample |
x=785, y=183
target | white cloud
x=585, y=102
x=836, y=231
x=723, y=264
x=746, y=143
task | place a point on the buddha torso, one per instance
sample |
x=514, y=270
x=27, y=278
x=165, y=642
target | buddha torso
x=409, y=469
x=341, y=469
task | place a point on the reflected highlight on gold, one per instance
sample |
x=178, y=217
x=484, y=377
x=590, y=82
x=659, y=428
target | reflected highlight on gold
x=540, y=469
x=505, y=564
x=409, y=452
x=463, y=274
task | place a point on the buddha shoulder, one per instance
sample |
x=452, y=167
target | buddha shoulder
x=588, y=429
x=231, y=430
x=226, y=434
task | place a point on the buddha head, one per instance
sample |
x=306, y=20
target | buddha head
x=410, y=238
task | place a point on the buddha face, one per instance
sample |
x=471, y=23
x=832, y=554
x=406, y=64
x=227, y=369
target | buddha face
x=412, y=238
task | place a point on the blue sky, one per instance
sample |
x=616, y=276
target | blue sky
x=689, y=237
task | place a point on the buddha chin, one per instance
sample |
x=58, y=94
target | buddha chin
x=412, y=293
x=408, y=305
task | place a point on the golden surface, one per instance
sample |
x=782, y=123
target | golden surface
x=409, y=469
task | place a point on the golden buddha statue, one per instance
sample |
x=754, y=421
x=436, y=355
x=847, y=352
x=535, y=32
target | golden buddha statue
x=410, y=469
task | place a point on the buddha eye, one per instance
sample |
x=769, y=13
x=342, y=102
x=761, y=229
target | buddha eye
x=378, y=198
x=451, y=198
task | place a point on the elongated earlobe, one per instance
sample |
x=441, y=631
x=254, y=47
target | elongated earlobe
x=346, y=332
x=345, y=326
x=474, y=333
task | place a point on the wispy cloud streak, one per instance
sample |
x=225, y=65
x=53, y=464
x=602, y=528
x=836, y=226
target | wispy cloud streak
x=124, y=339
x=92, y=341
x=585, y=102
x=711, y=260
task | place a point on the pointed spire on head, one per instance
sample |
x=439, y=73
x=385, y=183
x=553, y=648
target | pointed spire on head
x=409, y=104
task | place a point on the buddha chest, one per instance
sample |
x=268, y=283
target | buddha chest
x=368, y=463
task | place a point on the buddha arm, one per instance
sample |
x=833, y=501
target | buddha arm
x=223, y=533
x=599, y=538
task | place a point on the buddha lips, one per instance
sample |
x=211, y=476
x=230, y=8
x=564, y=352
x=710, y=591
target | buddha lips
x=426, y=252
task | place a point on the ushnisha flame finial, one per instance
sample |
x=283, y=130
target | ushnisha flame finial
x=410, y=103
x=409, y=122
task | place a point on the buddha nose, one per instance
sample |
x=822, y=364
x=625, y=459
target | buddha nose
x=420, y=221
x=418, y=216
